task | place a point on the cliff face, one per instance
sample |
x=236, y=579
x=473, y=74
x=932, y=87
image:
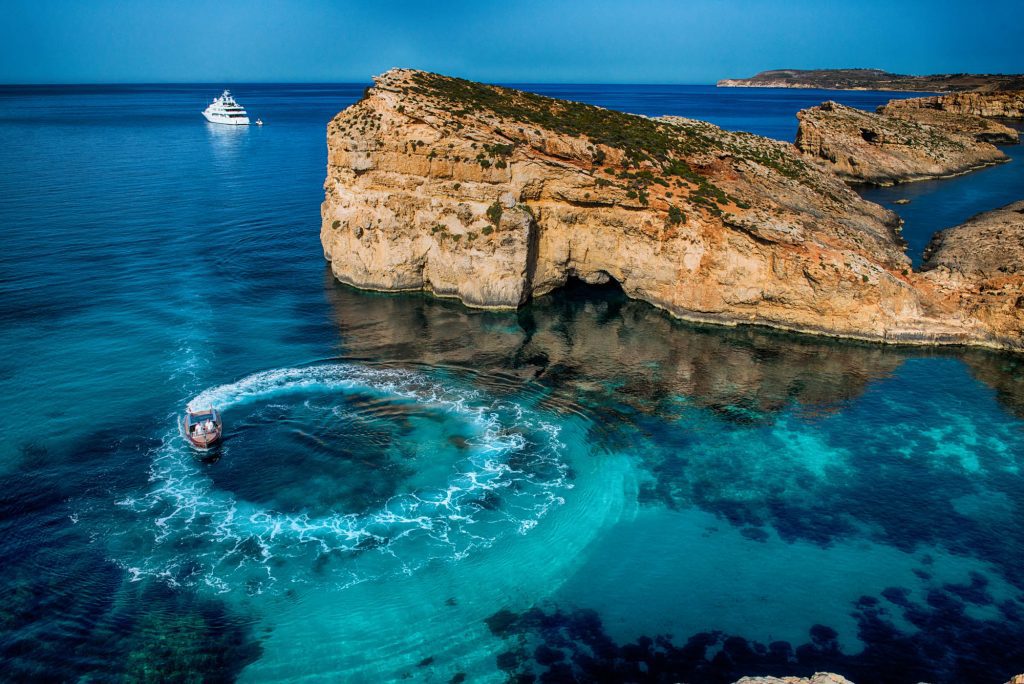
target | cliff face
x=1006, y=105
x=980, y=128
x=494, y=196
x=862, y=147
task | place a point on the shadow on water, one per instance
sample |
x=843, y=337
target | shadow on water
x=594, y=338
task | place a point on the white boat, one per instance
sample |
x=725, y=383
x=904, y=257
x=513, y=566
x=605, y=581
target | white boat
x=224, y=110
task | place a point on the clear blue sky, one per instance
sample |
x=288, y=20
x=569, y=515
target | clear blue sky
x=646, y=41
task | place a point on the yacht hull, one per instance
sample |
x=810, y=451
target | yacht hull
x=226, y=120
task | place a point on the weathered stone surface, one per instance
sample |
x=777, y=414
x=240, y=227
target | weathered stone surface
x=989, y=245
x=863, y=147
x=817, y=678
x=1003, y=104
x=980, y=128
x=494, y=196
x=979, y=266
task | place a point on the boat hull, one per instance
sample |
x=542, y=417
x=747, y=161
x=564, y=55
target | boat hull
x=206, y=444
x=226, y=120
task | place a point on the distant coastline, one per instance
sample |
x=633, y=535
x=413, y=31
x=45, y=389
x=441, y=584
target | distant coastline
x=875, y=79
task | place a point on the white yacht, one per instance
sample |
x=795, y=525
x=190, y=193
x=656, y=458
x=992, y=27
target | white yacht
x=224, y=110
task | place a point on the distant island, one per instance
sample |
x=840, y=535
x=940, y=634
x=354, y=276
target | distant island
x=875, y=79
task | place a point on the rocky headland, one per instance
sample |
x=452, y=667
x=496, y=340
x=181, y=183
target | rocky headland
x=495, y=196
x=875, y=79
x=865, y=147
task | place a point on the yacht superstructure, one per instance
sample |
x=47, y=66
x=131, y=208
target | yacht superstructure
x=224, y=110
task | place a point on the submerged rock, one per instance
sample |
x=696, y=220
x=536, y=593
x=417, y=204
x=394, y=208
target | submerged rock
x=862, y=147
x=494, y=196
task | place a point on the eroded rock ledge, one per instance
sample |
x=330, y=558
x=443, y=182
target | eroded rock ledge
x=1005, y=105
x=863, y=147
x=980, y=128
x=494, y=196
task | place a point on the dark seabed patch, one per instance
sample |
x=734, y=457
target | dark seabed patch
x=948, y=646
x=63, y=614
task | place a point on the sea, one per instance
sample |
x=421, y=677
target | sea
x=409, y=490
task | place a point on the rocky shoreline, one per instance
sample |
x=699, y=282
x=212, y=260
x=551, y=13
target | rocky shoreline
x=495, y=196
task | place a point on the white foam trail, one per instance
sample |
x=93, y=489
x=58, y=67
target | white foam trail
x=200, y=535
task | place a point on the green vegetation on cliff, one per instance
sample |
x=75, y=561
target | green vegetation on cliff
x=666, y=146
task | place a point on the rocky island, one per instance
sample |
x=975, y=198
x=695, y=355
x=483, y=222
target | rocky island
x=874, y=79
x=494, y=196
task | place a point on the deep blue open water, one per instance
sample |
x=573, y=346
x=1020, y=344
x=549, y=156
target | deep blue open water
x=584, y=490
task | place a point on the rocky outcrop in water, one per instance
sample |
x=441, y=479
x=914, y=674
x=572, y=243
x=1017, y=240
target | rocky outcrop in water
x=1004, y=105
x=980, y=128
x=862, y=147
x=495, y=196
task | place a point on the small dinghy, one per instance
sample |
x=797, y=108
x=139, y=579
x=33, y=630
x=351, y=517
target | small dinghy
x=202, y=428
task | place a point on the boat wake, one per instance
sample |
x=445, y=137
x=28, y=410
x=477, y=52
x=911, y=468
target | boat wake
x=508, y=475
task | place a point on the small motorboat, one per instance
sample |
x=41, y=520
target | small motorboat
x=203, y=429
x=259, y=122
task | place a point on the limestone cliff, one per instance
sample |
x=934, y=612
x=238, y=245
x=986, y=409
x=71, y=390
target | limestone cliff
x=494, y=196
x=980, y=128
x=863, y=147
x=1005, y=105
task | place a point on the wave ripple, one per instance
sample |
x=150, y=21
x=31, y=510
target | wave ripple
x=510, y=475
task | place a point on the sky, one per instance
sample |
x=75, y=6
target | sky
x=568, y=41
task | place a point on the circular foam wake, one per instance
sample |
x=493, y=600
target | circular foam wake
x=507, y=476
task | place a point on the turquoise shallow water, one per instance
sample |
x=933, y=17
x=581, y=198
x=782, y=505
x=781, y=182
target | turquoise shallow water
x=585, y=490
